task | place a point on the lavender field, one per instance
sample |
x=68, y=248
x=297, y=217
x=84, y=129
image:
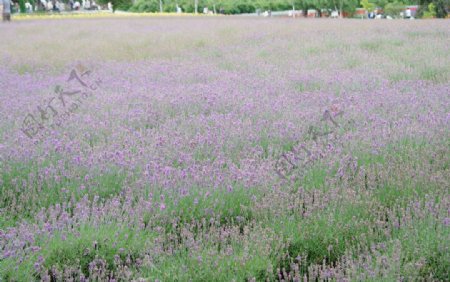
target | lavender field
x=224, y=149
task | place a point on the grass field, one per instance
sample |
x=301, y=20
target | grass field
x=224, y=149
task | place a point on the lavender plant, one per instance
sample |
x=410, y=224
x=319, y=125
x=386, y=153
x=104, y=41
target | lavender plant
x=226, y=149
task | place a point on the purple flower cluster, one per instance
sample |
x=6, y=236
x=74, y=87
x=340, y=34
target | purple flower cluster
x=176, y=169
x=32, y=127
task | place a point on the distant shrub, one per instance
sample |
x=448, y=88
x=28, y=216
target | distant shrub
x=145, y=6
x=22, y=6
x=123, y=5
x=394, y=9
x=431, y=13
x=438, y=9
x=441, y=8
x=367, y=5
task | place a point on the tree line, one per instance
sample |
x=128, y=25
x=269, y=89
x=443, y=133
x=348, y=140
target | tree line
x=428, y=8
x=390, y=7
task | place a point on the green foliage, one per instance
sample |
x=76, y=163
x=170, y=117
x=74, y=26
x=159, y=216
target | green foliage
x=315, y=178
x=431, y=12
x=349, y=6
x=383, y=3
x=426, y=239
x=438, y=9
x=367, y=5
x=145, y=6
x=434, y=74
x=22, y=6
x=441, y=8
x=242, y=6
x=327, y=235
x=68, y=249
x=17, y=177
x=225, y=206
x=209, y=265
x=394, y=9
x=123, y=5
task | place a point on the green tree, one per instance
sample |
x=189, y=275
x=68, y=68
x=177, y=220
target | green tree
x=369, y=7
x=123, y=5
x=348, y=6
x=431, y=12
x=240, y=6
x=439, y=8
x=394, y=9
x=145, y=6
x=22, y=6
